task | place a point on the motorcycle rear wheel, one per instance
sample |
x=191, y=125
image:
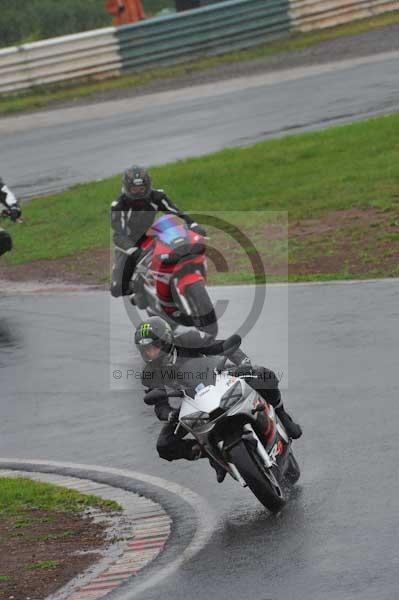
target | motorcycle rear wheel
x=261, y=481
x=202, y=311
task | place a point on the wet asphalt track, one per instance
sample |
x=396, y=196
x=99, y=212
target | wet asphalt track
x=337, y=538
x=66, y=146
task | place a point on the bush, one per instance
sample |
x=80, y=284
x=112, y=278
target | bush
x=22, y=21
x=151, y=7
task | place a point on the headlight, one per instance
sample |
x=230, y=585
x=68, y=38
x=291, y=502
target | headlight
x=197, y=418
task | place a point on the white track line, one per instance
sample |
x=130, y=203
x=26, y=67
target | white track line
x=27, y=288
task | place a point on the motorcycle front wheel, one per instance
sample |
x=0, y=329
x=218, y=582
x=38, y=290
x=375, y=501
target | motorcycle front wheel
x=202, y=311
x=261, y=481
x=293, y=471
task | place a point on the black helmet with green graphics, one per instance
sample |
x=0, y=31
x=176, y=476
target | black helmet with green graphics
x=136, y=183
x=154, y=339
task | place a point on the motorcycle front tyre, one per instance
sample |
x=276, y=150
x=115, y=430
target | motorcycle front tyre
x=267, y=491
x=202, y=311
x=293, y=472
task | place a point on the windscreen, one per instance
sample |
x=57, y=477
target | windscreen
x=168, y=229
x=233, y=394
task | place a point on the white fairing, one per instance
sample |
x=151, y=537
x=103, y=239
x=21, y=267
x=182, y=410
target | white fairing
x=10, y=199
x=208, y=398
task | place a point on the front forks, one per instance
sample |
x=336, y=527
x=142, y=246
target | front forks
x=232, y=468
x=252, y=437
x=179, y=298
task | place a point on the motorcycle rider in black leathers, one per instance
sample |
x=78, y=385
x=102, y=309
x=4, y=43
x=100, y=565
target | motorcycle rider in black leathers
x=11, y=209
x=132, y=214
x=165, y=353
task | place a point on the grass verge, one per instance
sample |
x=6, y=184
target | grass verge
x=44, y=564
x=315, y=206
x=41, y=97
x=20, y=494
x=47, y=536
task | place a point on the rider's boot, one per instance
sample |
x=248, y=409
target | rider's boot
x=220, y=471
x=199, y=452
x=293, y=429
x=137, y=293
x=196, y=451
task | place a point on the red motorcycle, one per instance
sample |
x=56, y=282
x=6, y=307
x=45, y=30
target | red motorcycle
x=170, y=279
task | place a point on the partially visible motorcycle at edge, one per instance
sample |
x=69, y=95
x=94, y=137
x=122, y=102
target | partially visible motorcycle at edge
x=6, y=214
x=170, y=278
x=6, y=243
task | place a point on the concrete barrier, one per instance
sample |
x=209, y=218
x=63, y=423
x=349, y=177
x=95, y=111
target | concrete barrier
x=307, y=15
x=59, y=59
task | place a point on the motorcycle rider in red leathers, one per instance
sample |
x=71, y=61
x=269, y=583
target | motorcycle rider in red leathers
x=132, y=214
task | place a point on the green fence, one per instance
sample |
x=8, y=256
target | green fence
x=207, y=31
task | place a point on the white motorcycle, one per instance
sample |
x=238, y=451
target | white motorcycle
x=236, y=427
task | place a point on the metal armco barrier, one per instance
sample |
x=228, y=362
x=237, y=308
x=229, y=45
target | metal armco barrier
x=207, y=31
x=307, y=15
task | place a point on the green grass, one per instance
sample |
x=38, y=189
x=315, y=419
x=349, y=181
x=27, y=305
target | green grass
x=347, y=166
x=18, y=495
x=4, y=578
x=41, y=97
x=44, y=564
x=302, y=177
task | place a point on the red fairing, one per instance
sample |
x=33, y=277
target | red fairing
x=147, y=243
x=162, y=273
x=270, y=431
x=188, y=279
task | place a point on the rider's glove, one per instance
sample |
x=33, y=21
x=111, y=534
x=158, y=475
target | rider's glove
x=15, y=213
x=246, y=362
x=198, y=229
x=173, y=416
x=244, y=368
x=160, y=396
